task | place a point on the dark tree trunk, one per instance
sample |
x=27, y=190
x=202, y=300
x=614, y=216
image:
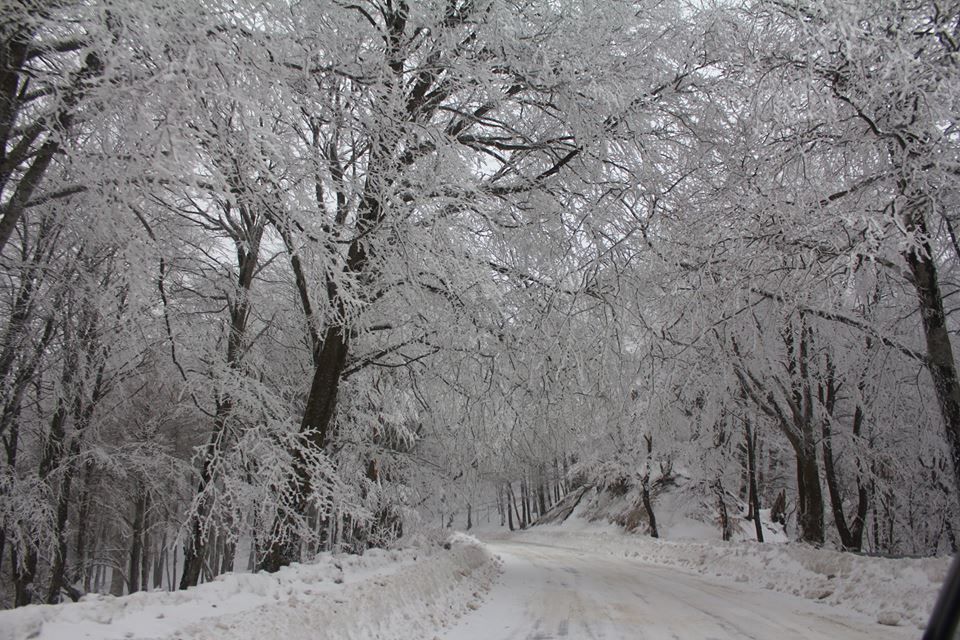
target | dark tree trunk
x=146, y=547
x=808, y=469
x=951, y=535
x=725, y=529
x=648, y=506
x=321, y=402
x=229, y=553
x=53, y=455
x=796, y=423
x=645, y=487
x=754, y=493
x=81, y=571
x=23, y=576
x=16, y=377
x=58, y=570
x=541, y=492
x=500, y=509
x=136, y=543
x=513, y=502
x=851, y=537
x=940, y=362
x=212, y=564
x=160, y=563
x=117, y=580
x=810, y=507
x=195, y=549
x=524, y=503
x=83, y=415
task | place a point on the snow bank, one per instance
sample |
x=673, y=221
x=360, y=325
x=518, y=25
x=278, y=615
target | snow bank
x=892, y=591
x=394, y=594
x=682, y=509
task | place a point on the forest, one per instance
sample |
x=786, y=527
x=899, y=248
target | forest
x=281, y=276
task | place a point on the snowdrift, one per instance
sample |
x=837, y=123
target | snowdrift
x=892, y=591
x=683, y=509
x=394, y=594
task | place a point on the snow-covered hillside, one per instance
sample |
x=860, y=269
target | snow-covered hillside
x=682, y=508
x=393, y=594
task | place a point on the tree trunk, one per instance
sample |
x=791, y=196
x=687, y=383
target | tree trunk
x=648, y=506
x=195, y=548
x=23, y=576
x=160, y=563
x=524, y=504
x=146, y=548
x=796, y=423
x=810, y=516
x=16, y=376
x=321, y=402
x=941, y=362
x=851, y=538
x=53, y=455
x=754, y=493
x=513, y=502
x=58, y=570
x=81, y=572
x=213, y=557
x=500, y=510
x=229, y=552
x=136, y=543
x=541, y=493
x=117, y=580
x=725, y=528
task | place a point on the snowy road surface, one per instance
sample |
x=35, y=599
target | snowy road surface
x=552, y=592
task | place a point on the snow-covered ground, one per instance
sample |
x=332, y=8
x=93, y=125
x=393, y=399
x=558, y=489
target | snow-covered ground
x=550, y=591
x=394, y=594
x=683, y=512
x=888, y=592
x=891, y=592
x=574, y=580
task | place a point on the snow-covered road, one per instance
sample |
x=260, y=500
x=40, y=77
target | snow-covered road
x=558, y=592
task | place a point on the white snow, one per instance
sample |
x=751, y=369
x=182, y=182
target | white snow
x=889, y=591
x=382, y=594
x=681, y=509
x=551, y=590
x=572, y=580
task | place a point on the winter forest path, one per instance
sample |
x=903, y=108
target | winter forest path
x=551, y=592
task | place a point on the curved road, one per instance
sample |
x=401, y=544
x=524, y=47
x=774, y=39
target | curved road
x=550, y=592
